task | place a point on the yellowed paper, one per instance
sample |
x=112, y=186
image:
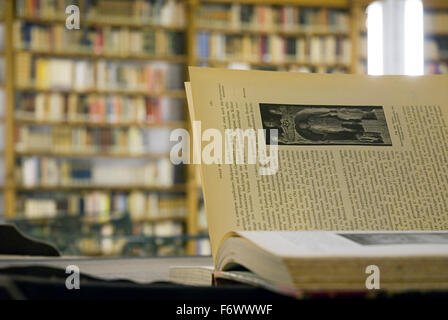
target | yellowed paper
x=355, y=153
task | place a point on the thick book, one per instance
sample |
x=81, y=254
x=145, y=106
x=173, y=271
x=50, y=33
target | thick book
x=336, y=176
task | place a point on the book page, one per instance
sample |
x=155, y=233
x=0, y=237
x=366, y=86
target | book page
x=354, y=152
x=328, y=244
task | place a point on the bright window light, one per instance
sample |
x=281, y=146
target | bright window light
x=375, y=63
x=413, y=38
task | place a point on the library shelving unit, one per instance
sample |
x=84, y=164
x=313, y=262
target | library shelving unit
x=436, y=36
x=88, y=112
x=294, y=35
x=88, y=117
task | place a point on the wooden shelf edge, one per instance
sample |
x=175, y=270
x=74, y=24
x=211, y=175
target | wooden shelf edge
x=92, y=55
x=274, y=64
x=173, y=188
x=302, y=3
x=285, y=33
x=99, y=154
x=90, y=22
x=74, y=123
x=180, y=94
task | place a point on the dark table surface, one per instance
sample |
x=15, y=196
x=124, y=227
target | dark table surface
x=141, y=270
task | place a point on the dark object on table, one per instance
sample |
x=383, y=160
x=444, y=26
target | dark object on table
x=13, y=242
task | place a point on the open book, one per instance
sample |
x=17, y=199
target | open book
x=317, y=177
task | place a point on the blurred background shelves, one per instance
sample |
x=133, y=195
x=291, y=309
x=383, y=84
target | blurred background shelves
x=90, y=112
x=86, y=115
x=273, y=35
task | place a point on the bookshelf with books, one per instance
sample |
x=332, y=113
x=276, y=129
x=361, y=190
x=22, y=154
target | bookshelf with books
x=295, y=36
x=91, y=115
x=436, y=37
x=89, y=111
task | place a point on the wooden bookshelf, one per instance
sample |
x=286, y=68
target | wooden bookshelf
x=91, y=154
x=14, y=120
x=173, y=188
x=435, y=4
x=273, y=64
x=87, y=123
x=284, y=32
x=92, y=221
x=180, y=94
x=103, y=23
x=305, y=3
x=10, y=192
x=87, y=55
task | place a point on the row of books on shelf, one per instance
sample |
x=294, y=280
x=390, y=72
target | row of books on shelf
x=168, y=12
x=436, y=67
x=436, y=22
x=98, y=41
x=436, y=48
x=146, y=206
x=272, y=17
x=85, y=75
x=52, y=172
x=105, y=207
x=85, y=141
x=160, y=229
x=97, y=108
x=143, y=241
x=273, y=48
